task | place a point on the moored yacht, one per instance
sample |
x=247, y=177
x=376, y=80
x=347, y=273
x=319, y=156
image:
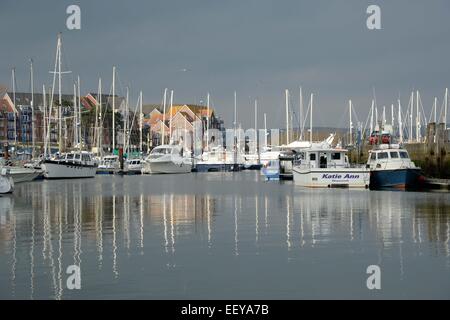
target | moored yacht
x=6, y=182
x=167, y=159
x=328, y=167
x=391, y=168
x=109, y=165
x=133, y=166
x=219, y=159
x=73, y=165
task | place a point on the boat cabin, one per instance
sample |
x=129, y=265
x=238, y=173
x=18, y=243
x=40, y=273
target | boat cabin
x=325, y=158
x=389, y=156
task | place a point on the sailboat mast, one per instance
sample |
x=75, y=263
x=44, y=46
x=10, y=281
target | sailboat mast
x=44, y=96
x=286, y=93
x=33, y=138
x=170, y=115
x=265, y=130
x=75, y=121
x=301, y=114
x=14, y=105
x=79, y=112
x=435, y=111
x=235, y=124
x=411, y=115
x=310, y=120
x=125, y=123
x=446, y=107
x=350, y=119
x=100, y=122
x=256, y=128
x=207, y=122
x=114, y=110
x=400, y=124
x=371, y=116
x=140, y=122
x=417, y=117
x=164, y=116
x=59, y=94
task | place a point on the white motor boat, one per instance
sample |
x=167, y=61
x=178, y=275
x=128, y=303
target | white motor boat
x=73, y=165
x=6, y=182
x=167, y=159
x=219, y=159
x=23, y=174
x=328, y=167
x=109, y=165
x=133, y=166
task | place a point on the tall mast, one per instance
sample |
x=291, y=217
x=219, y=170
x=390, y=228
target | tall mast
x=446, y=107
x=164, y=116
x=75, y=121
x=400, y=124
x=79, y=113
x=371, y=116
x=310, y=120
x=417, y=117
x=411, y=117
x=207, y=122
x=392, y=115
x=170, y=115
x=256, y=128
x=125, y=123
x=100, y=119
x=140, y=122
x=435, y=111
x=286, y=93
x=301, y=115
x=114, y=110
x=14, y=105
x=265, y=130
x=97, y=107
x=44, y=96
x=33, y=138
x=235, y=124
x=59, y=94
x=350, y=118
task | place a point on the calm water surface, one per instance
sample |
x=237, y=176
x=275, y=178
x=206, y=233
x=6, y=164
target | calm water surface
x=220, y=236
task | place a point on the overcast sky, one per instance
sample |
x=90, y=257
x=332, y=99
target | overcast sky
x=256, y=47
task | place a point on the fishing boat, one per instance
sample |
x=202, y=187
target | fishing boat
x=167, y=159
x=73, y=165
x=391, y=168
x=108, y=165
x=6, y=182
x=328, y=167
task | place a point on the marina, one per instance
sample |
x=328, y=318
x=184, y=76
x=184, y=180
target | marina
x=220, y=151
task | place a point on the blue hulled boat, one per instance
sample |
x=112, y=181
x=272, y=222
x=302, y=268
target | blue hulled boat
x=391, y=168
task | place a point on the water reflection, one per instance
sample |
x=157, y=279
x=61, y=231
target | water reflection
x=45, y=227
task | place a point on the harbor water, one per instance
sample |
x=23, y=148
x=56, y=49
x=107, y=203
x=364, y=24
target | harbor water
x=220, y=236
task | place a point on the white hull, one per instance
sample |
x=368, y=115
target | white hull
x=157, y=167
x=21, y=175
x=67, y=171
x=331, y=177
x=6, y=184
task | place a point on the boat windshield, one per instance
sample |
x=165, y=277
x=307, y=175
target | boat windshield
x=404, y=155
x=161, y=151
